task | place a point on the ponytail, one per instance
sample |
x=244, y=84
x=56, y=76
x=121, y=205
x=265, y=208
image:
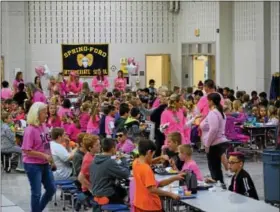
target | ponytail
x=220, y=109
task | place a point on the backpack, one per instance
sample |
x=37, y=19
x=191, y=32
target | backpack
x=190, y=181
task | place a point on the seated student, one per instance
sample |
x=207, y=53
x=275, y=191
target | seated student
x=6, y=92
x=124, y=112
x=8, y=139
x=124, y=145
x=79, y=155
x=132, y=124
x=241, y=182
x=105, y=170
x=146, y=194
x=171, y=153
x=92, y=145
x=185, y=155
x=61, y=155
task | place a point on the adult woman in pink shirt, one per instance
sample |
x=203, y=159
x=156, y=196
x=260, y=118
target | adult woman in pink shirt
x=202, y=105
x=37, y=157
x=120, y=81
x=17, y=81
x=173, y=118
x=35, y=94
x=74, y=84
x=213, y=136
x=99, y=82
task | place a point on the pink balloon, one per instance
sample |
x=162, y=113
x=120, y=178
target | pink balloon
x=130, y=60
x=40, y=71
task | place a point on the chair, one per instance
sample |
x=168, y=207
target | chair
x=68, y=190
x=7, y=161
x=59, y=184
x=103, y=203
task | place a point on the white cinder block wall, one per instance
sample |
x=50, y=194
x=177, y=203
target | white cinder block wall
x=132, y=29
x=33, y=32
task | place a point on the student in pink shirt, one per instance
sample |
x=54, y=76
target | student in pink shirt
x=124, y=145
x=20, y=114
x=93, y=123
x=84, y=116
x=173, y=118
x=37, y=82
x=53, y=119
x=52, y=86
x=6, y=92
x=74, y=129
x=110, y=121
x=202, y=105
x=61, y=85
x=99, y=82
x=17, y=81
x=120, y=81
x=213, y=136
x=76, y=85
x=37, y=157
x=65, y=109
x=35, y=94
x=161, y=90
x=185, y=154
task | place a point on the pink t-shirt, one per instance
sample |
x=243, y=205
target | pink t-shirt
x=62, y=88
x=73, y=132
x=176, y=120
x=36, y=139
x=109, y=122
x=6, y=93
x=63, y=111
x=65, y=126
x=54, y=122
x=15, y=85
x=75, y=87
x=84, y=118
x=127, y=146
x=120, y=83
x=93, y=126
x=203, y=106
x=39, y=97
x=192, y=166
x=98, y=85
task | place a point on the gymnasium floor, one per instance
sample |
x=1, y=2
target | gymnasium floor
x=15, y=186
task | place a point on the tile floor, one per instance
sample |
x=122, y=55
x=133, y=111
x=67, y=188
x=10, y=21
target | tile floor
x=16, y=188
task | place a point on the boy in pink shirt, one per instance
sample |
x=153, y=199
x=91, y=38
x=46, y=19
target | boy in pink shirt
x=124, y=145
x=110, y=121
x=6, y=92
x=185, y=154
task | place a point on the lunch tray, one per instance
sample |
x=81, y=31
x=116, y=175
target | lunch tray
x=192, y=196
x=203, y=187
x=162, y=171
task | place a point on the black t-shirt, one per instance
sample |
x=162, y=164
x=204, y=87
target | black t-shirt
x=174, y=156
x=19, y=97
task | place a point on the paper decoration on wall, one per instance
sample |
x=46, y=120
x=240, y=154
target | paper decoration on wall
x=129, y=66
x=43, y=71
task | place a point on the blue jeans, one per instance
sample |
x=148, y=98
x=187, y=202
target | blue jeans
x=37, y=174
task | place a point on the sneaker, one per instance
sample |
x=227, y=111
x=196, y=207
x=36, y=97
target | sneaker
x=20, y=170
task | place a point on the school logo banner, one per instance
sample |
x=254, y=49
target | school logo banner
x=85, y=59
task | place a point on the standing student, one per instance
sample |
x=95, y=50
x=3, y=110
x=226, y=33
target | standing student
x=241, y=182
x=100, y=82
x=37, y=157
x=35, y=94
x=213, y=136
x=120, y=81
x=17, y=81
x=147, y=194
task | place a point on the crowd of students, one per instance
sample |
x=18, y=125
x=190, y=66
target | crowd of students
x=80, y=140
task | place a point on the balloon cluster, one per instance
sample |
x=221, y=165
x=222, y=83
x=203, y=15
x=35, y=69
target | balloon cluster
x=43, y=71
x=132, y=66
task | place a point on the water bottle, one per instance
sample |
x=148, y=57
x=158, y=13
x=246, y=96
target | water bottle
x=181, y=191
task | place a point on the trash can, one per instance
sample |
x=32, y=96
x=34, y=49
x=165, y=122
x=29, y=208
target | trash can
x=271, y=175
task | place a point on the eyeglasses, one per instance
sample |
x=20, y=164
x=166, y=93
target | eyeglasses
x=233, y=162
x=119, y=135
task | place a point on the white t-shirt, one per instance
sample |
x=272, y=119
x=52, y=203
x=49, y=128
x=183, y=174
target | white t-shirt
x=60, y=157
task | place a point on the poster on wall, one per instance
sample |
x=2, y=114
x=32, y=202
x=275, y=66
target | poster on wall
x=2, y=68
x=85, y=59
